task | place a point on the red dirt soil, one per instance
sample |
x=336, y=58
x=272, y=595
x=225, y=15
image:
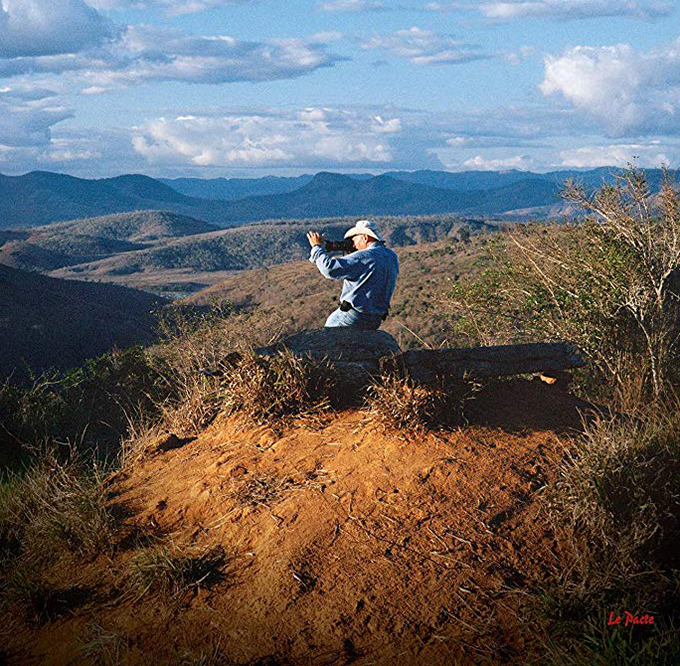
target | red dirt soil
x=341, y=543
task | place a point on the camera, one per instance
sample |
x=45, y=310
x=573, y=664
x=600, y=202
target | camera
x=345, y=246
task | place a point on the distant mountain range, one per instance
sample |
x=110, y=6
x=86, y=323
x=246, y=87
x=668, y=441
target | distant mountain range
x=238, y=188
x=235, y=188
x=42, y=197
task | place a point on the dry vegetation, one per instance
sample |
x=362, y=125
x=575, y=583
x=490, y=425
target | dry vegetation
x=303, y=299
x=400, y=405
x=585, y=524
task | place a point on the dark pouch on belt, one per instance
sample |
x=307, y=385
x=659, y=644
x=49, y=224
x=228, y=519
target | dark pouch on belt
x=345, y=306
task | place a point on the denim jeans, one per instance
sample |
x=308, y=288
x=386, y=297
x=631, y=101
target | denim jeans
x=354, y=318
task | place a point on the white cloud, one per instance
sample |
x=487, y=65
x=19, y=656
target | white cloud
x=27, y=123
x=627, y=91
x=575, y=9
x=25, y=93
x=49, y=27
x=493, y=164
x=423, y=47
x=144, y=54
x=314, y=136
x=519, y=56
x=173, y=7
x=645, y=155
x=353, y=6
x=447, y=7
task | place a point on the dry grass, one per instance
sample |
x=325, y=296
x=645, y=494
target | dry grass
x=104, y=648
x=265, y=489
x=619, y=497
x=400, y=405
x=174, y=569
x=616, y=515
x=270, y=390
x=191, y=358
x=55, y=506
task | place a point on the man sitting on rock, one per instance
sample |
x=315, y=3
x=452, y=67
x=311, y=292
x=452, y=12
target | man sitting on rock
x=369, y=274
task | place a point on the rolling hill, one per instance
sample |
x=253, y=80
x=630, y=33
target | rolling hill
x=193, y=262
x=45, y=322
x=61, y=244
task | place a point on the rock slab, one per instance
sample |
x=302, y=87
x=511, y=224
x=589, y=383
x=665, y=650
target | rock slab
x=354, y=353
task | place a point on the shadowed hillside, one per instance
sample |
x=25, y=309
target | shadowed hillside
x=45, y=322
x=53, y=246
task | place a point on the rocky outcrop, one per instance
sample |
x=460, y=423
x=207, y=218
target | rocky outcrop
x=359, y=356
x=355, y=354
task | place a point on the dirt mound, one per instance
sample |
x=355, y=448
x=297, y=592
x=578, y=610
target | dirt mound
x=335, y=543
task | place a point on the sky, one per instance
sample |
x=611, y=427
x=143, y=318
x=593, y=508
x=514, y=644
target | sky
x=246, y=88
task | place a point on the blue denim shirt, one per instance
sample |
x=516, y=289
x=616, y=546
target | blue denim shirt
x=370, y=276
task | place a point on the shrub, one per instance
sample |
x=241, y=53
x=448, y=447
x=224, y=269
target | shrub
x=90, y=405
x=173, y=570
x=399, y=404
x=610, y=285
x=616, y=514
x=277, y=388
x=619, y=499
x=54, y=506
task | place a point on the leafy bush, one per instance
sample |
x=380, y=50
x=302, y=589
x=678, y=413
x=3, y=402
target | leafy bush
x=90, y=405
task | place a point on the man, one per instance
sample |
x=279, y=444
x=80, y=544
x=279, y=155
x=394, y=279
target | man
x=369, y=274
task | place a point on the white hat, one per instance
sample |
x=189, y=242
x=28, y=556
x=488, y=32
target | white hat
x=367, y=227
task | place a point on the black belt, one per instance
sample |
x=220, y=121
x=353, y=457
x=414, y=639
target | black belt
x=346, y=306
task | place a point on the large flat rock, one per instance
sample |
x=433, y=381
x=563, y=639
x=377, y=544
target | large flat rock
x=343, y=344
x=354, y=353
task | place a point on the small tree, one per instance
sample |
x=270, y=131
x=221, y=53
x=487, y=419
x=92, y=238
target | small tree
x=609, y=284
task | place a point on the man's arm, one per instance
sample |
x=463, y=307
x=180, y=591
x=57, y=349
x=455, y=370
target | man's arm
x=334, y=268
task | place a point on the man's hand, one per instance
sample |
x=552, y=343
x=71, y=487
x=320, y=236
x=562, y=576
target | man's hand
x=315, y=238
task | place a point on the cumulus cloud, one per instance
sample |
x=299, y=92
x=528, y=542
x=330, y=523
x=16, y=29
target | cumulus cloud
x=423, y=47
x=173, y=7
x=449, y=7
x=353, y=6
x=494, y=164
x=627, y=91
x=314, y=136
x=145, y=54
x=575, y=9
x=49, y=27
x=645, y=155
x=25, y=122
